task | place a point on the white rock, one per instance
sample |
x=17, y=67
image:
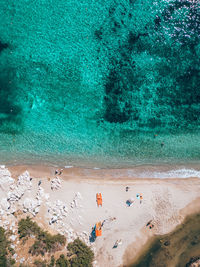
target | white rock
x=2, y=212
x=5, y=178
x=55, y=183
x=46, y=196
x=24, y=179
x=31, y=205
x=2, y=166
x=12, y=187
x=12, y=210
x=76, y=201
x=5, y=205
x=37, y=209
x=22, y=260
x=78, y=195
x=58, y=202
x=13, y=237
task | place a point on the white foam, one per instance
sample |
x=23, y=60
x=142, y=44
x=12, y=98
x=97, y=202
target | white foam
x=68, y=167
x=179, y=173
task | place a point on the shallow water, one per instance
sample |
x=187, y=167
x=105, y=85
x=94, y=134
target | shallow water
x=100, y=83
x=174, y=249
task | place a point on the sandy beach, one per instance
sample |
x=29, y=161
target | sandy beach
x=67, y=204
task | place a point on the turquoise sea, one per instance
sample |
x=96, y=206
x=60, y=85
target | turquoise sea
x=100, y=83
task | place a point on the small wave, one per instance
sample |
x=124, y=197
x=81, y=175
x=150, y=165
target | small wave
x=180, y=173
x=68, y=167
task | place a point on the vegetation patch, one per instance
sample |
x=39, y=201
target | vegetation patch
x=45, y=242
x=79, y=254
x=5, y=250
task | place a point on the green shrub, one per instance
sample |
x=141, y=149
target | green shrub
x=80, y=254
x=62, y=262
x=45, y=242
x=27, y=227
x=52, y=262
x=3, y=246
x=5, y=260
x=40, y=263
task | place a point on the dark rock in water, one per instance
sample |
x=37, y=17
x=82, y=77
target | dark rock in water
x=3, y=46
x=98, y=34
x=10, y=111
x=111, y=10
x=157, y=21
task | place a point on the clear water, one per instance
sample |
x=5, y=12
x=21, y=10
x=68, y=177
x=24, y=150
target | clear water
x=100, y=83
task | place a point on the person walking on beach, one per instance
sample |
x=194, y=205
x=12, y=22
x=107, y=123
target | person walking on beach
x=141, y=198
x=127, y=188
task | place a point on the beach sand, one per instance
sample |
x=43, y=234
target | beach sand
x=165, y=201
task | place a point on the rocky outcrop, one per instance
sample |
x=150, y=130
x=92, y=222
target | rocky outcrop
x=55, y=183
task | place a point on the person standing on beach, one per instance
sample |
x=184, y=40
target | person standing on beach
x=141, y=198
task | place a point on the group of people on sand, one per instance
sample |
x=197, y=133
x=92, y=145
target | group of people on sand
x=150, y=224
x=138, y=196
x=58, y=171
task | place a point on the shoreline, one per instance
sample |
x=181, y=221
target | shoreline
x=134, y=173
x=192, y=209
x=176, y=248
x=166, y=201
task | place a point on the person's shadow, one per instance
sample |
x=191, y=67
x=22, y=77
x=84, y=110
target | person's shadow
x=92, y=237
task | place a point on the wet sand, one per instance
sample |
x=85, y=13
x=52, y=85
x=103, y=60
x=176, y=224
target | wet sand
x=96, y=173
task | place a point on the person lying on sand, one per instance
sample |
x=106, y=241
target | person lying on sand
x=150, y=224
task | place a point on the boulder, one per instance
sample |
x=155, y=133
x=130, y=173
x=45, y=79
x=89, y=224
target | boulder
x=55, y=183
x=13, y=237
x=5, y=178
x=5, y=205
x=31, y=205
